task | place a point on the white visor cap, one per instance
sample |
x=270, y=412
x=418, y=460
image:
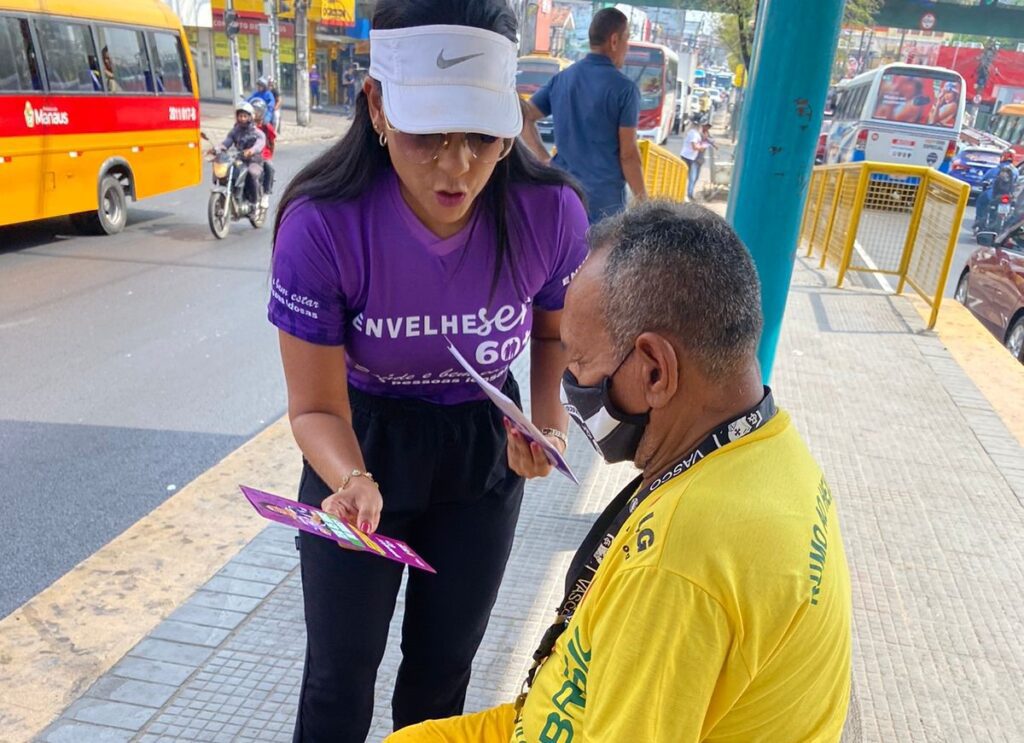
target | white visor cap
x=447, y=79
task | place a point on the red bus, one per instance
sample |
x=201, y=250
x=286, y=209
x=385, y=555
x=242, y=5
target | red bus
x=655, y=69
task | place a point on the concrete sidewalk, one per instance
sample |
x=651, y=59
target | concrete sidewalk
x=929, y=483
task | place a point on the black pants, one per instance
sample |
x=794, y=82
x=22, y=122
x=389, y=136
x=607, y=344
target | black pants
x=449, y=493
x=268, y=177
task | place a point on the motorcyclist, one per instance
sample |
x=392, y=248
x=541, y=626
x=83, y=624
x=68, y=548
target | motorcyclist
x=274, y=114
x=264, y=94
x=264, y=124
x=249, y=140
x=1001, y=181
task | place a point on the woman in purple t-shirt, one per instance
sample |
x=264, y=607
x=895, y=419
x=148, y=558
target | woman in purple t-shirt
x=428, y=221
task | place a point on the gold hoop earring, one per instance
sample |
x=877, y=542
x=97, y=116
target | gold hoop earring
x=383, y=139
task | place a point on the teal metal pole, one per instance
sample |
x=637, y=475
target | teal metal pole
x=793, y=54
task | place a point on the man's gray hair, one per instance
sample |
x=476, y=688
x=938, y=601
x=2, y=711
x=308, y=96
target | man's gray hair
x=679, y=269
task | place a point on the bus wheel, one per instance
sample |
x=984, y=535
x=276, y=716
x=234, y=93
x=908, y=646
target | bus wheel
x=112, y=213
x=218, y=214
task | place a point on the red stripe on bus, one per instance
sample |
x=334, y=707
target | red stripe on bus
x=25, y=115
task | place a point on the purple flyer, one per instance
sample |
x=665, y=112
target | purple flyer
x=300, y=516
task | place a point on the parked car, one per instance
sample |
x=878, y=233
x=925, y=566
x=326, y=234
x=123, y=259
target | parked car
x=992, y=285
x=971, y=163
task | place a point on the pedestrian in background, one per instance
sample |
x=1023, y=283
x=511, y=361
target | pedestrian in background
x=711, y=601
x=275, y=114
x=429, y=189
x=696, y=141
x=348, y=88
x=596, y=110
x=314, y=86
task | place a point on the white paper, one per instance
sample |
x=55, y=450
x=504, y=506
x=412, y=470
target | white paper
x=523, y=424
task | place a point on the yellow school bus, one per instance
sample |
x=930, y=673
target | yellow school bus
x=98, y=104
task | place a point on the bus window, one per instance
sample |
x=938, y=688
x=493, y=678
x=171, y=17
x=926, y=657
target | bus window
x=69, y=56
x=125, y=61
x=18, y=70
x=1015, y=134
x=169, y=61
x=862, y=98
x=647, y=75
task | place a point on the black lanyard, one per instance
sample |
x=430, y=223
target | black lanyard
x=588, y=557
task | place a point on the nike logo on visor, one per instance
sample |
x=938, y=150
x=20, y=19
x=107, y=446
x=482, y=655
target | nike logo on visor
x=444, y=64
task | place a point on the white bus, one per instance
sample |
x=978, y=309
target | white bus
x=901, y=114
x=655, y=70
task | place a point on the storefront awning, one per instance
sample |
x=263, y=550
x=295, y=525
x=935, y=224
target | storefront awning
x=332, y=39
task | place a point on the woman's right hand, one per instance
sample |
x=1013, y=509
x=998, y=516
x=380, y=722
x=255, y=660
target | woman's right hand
x=359, y=504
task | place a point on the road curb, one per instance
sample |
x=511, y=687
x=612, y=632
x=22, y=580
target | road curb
x=997, y=375
x=56, y=645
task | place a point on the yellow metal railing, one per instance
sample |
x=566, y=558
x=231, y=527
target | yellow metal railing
x=665, y=174
x=895, y=220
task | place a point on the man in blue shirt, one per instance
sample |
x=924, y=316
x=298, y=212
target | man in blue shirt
x=263, y=93
x=596, y=111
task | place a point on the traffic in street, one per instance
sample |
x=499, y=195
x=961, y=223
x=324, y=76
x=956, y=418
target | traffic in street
x=139, y=360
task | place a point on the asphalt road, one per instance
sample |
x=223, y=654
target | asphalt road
x=130, y=365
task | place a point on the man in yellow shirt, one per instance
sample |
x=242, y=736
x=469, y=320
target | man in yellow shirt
x=711, y=600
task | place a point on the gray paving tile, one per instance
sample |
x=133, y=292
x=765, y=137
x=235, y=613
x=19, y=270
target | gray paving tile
x=70, y=731
x=132, y=691
x=157, y=671
x=188, y=633
x=235, y=569
x=174, y=652
x=226, y=601
x=238, y=587
x=110, y=714
x=195, y=614
x=265, y=558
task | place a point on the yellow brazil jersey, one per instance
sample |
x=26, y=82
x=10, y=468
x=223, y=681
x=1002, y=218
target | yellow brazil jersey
x=720, y=613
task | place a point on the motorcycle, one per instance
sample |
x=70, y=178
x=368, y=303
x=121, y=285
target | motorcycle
x=999, y=212
x=227, y=198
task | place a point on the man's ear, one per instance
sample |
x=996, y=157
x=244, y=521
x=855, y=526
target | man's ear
x=659, y=368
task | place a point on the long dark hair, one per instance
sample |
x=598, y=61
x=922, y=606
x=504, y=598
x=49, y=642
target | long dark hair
x=349, y=167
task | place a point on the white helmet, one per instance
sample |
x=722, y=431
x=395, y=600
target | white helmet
x=245, y=107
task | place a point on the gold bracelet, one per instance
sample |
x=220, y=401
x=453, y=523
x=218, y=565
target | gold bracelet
x=555, y=433
x=352, y=475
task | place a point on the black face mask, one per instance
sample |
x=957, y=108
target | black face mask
x=614, y=433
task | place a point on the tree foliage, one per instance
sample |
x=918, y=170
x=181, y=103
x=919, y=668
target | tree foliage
x=736, y=24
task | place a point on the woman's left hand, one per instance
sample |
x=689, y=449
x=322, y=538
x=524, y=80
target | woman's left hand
x=526, y=458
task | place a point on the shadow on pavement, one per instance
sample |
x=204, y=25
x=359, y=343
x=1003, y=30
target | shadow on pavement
x=45, y=232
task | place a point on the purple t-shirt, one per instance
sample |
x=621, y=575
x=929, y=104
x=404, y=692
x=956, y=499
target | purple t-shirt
x=367, y=274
